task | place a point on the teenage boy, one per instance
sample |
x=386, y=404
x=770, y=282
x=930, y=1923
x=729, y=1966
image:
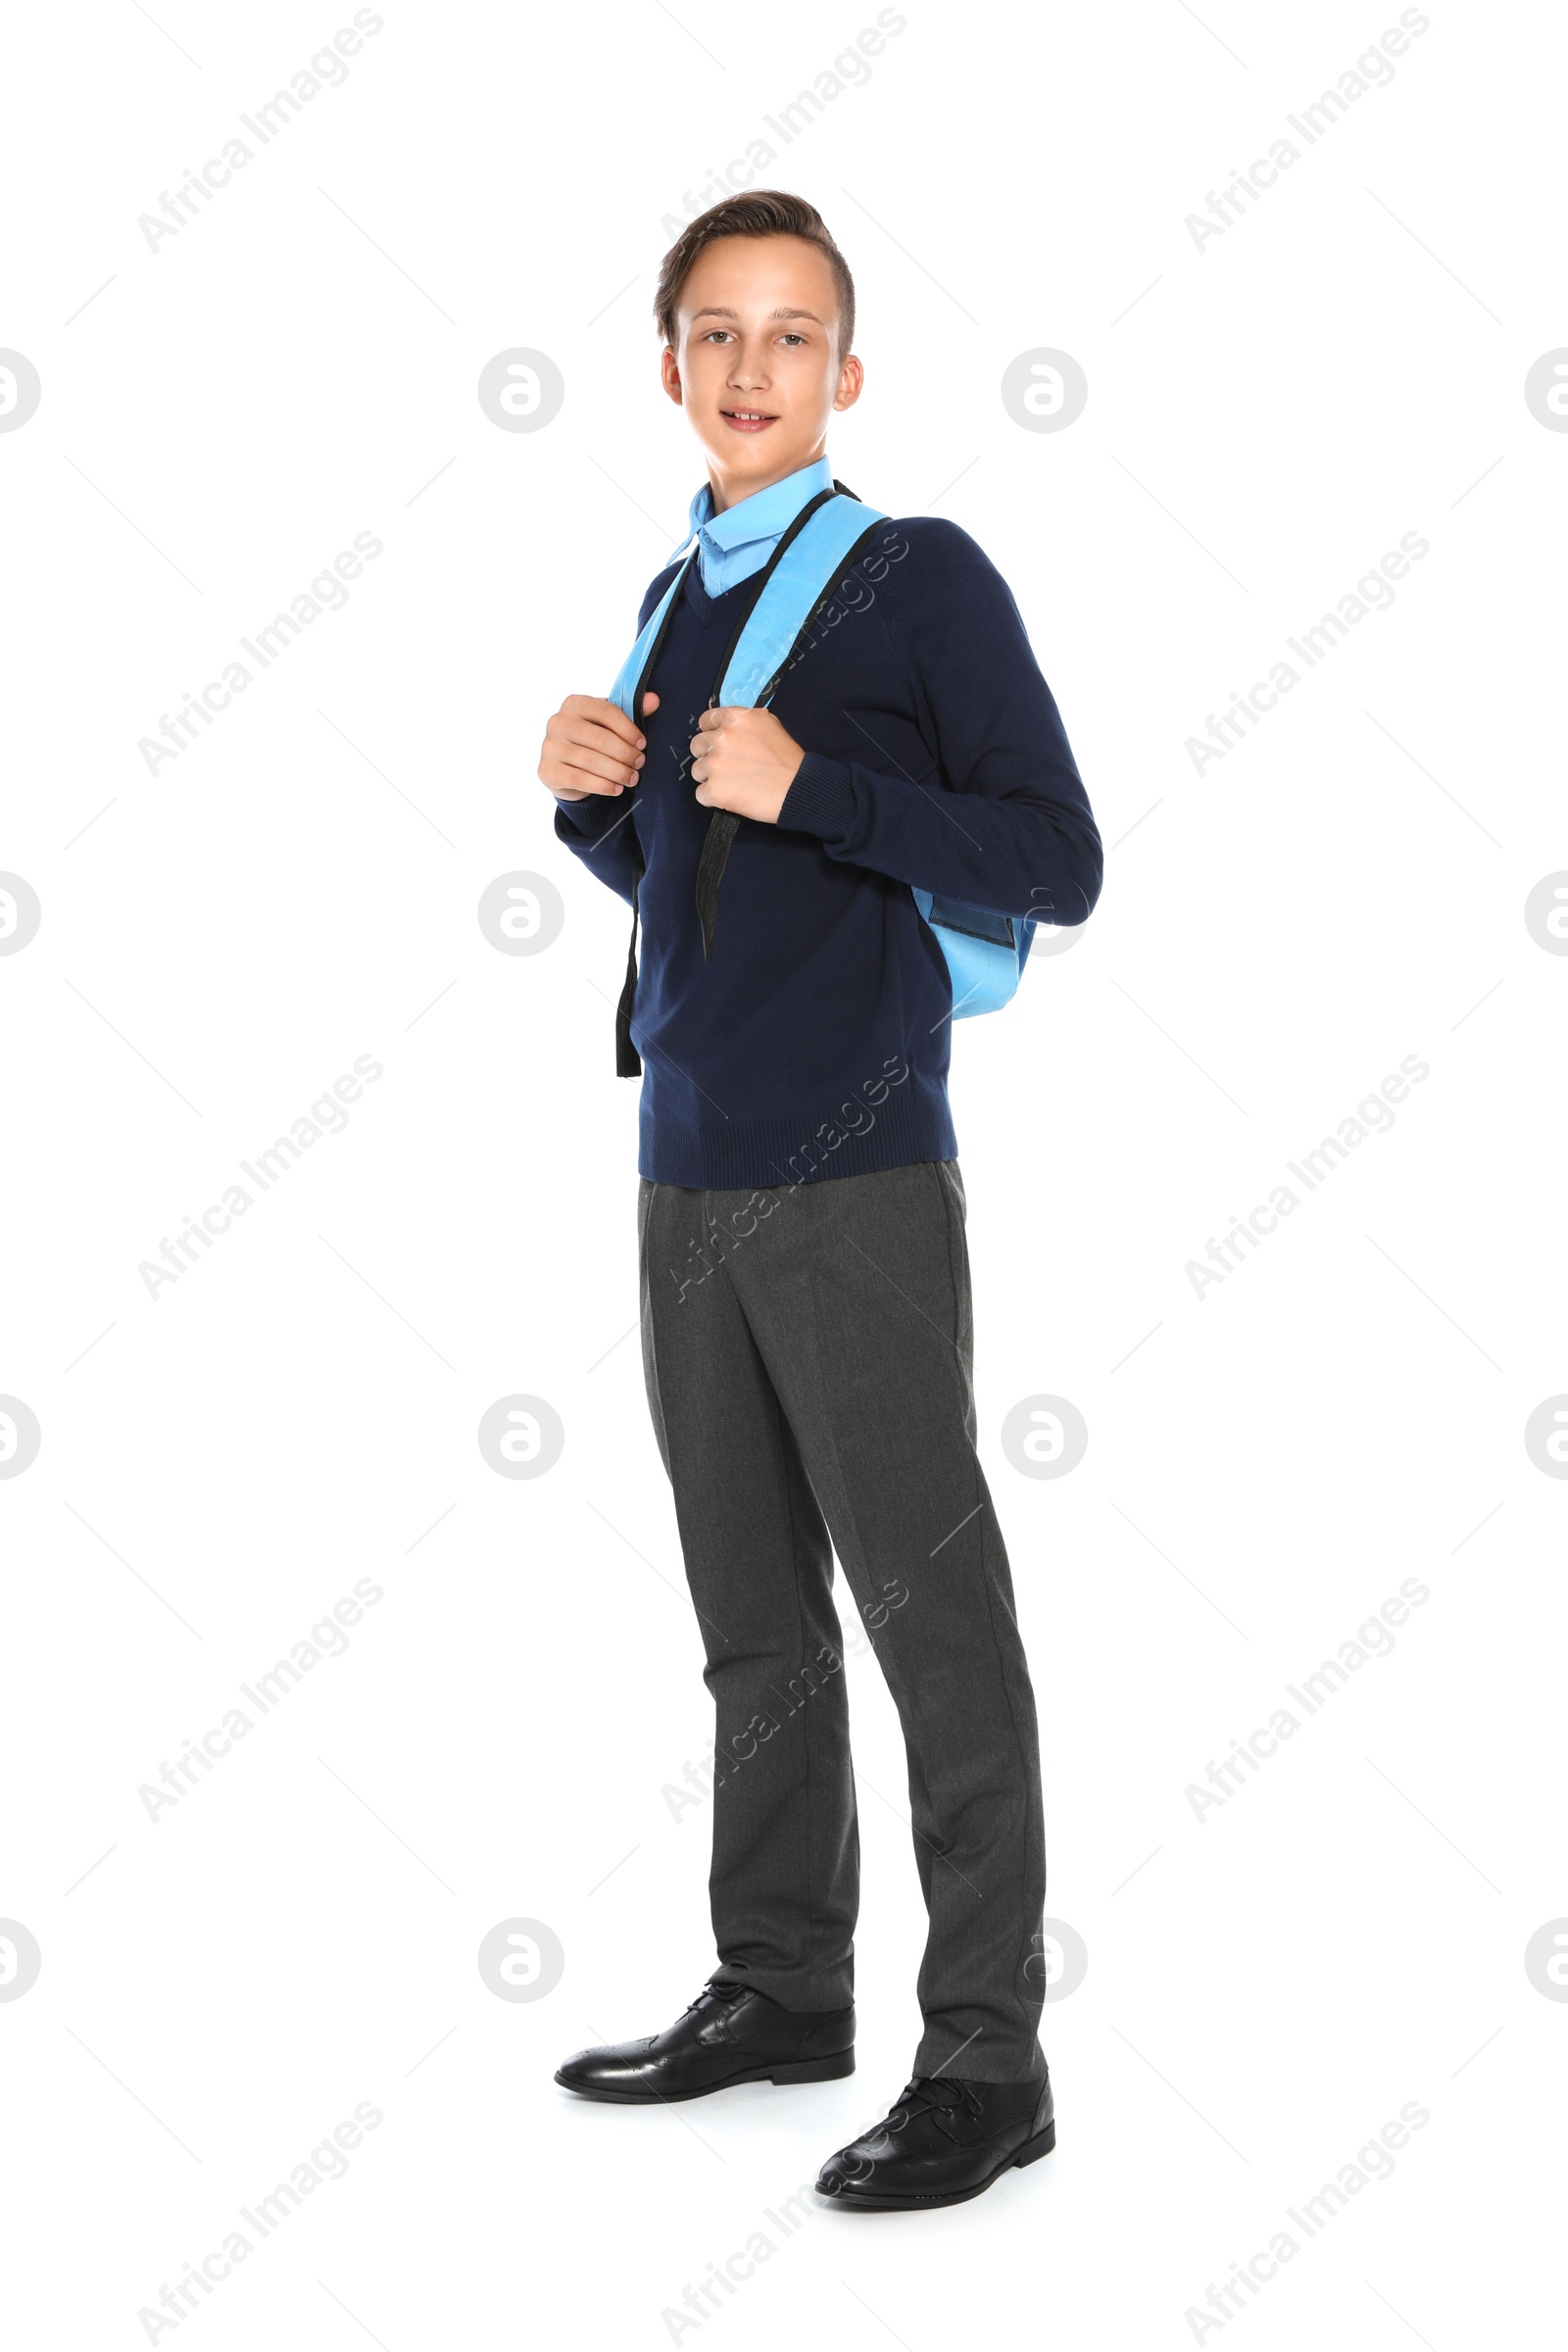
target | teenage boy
x=805, y=1282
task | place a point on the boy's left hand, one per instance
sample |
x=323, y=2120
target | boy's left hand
x=744, y=760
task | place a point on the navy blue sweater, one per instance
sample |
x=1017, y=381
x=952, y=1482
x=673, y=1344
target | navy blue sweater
x=816, y=1044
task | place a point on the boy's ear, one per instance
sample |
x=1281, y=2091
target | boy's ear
x=669, y=376
x=852, y=379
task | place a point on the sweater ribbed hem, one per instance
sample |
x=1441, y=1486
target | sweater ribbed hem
x=821, y=799
x=913, y=1125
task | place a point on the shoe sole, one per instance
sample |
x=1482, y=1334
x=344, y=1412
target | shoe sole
x=807, y=2070
x=863, y=2202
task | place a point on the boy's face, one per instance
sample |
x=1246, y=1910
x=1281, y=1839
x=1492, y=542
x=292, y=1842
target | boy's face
x=756, y=364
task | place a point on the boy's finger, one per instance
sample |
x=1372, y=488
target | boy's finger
x=589, y=764
x=583, y=736
x=593, y=710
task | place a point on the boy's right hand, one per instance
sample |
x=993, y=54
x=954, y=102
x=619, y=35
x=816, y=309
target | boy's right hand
x=592, y=746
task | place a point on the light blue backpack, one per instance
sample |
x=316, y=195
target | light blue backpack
x=984, y=953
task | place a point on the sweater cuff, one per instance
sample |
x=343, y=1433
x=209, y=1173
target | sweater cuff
x=821, y=799
x=587, y=815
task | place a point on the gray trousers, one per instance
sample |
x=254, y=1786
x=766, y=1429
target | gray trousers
x=809, y=1359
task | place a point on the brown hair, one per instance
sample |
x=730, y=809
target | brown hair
x=761, y=212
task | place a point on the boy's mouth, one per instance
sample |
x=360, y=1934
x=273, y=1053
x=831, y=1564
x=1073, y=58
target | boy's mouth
x=748, y=421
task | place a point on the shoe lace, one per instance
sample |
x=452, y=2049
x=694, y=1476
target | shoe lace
x=941, y=2091
x=725, y=1994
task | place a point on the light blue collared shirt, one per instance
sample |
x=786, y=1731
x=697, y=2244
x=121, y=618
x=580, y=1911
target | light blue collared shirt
x=733, y=545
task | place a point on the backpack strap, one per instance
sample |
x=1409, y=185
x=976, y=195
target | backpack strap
x=826, y=539
x=628, y=1061
x=785, y=598
x=627, y=695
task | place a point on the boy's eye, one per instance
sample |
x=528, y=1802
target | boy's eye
x=793, y=337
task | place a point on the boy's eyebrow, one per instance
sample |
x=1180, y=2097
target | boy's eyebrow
x=713, y=310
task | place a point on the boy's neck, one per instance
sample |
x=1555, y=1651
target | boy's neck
x=732, y=494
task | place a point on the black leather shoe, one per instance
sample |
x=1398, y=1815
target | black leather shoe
x=730, y=2033
x=943, y=2142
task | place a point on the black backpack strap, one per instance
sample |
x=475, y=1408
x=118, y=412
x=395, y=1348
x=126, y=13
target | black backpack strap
x=628, y=1062
x=722, y=828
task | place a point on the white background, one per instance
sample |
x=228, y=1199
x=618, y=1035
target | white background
x=1266, y=1463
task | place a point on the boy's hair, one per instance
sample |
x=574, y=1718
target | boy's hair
x=760, y=212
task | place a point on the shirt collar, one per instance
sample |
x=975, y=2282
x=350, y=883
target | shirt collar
x=765, y=514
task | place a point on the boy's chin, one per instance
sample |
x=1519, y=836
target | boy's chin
x=764, y=447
